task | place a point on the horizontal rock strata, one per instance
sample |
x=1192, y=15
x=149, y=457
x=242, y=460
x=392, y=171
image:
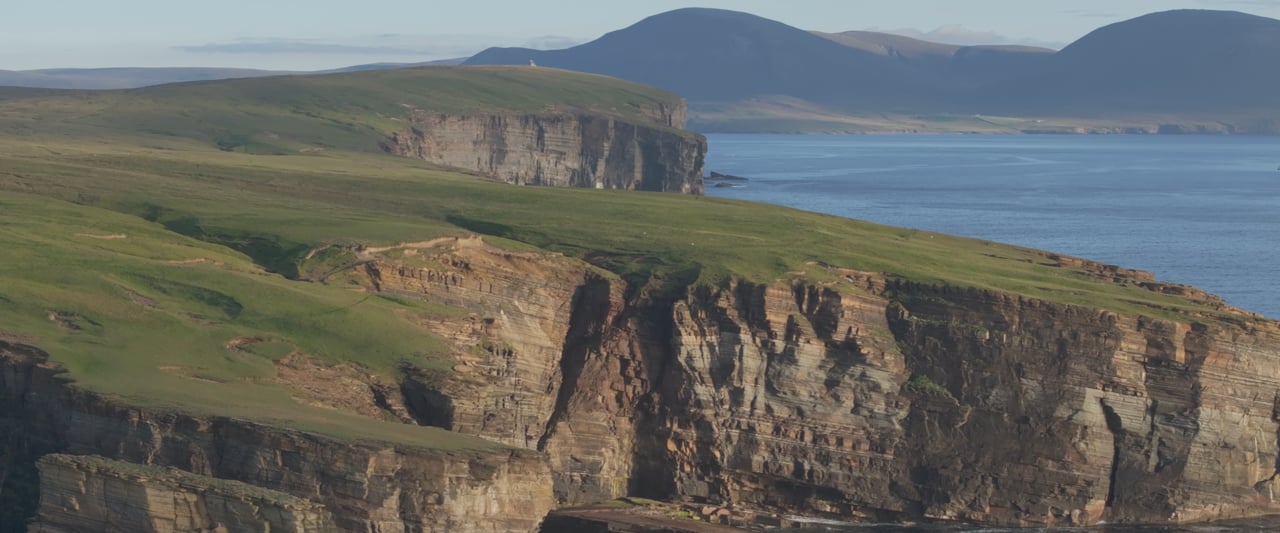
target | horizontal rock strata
x=366, y=487
x=863, y=397
x=562, y=149
x=85, y=493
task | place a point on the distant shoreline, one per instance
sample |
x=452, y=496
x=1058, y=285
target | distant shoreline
x=880, y=125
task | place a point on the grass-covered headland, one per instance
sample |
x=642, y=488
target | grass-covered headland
x=144, y=230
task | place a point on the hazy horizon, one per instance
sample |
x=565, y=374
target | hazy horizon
x=294, y=35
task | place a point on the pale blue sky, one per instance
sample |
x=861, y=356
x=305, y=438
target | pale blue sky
x=314, y=34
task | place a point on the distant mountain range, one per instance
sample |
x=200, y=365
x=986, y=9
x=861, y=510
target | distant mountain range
x=718, y=55
x=122, y=78
x=960, y=65
x=1207, y=70
x=130, y=78
x=1174, y=71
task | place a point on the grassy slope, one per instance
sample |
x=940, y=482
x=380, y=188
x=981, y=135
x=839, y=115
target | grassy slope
x=282, y=115
x=141, y=313
x=65, y=180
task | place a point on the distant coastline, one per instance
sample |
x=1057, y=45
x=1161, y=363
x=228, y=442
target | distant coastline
x=712, y=118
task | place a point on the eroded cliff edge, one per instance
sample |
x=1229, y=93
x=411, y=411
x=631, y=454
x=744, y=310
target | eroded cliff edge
x=347, y=484
x=864, y=396
x=86, y=493
x=563, y=148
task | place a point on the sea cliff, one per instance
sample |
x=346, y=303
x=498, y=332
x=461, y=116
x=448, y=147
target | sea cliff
x=562, y=148
x=865, y=396
x=221, y=340
x=362, y=486
x=862, y=396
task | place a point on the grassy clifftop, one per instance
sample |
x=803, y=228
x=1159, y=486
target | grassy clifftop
x=135, y=256
x=288, y=114
x=138, y=312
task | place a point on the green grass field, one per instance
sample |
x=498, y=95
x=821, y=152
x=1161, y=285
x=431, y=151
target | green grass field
x=136, y=248
x=283, y=115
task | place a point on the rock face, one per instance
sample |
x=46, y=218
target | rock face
x=553, y=359
x=968, y=405
x=861, y=397
x=864, y=397
x=563, y=149
x=366, y=487
x=80, y=493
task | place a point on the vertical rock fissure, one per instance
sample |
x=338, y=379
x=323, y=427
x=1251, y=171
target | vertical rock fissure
x=1275, y=417
x=21, y=445
x=652, y=467
x=588, y=313
x=1116, y=428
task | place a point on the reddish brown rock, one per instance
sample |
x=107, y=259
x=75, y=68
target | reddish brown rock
x=860, y=398
x=863, y=398
x=85, y=493
x=365, y=486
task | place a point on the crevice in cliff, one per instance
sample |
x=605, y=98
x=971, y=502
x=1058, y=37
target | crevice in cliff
x=589, y=312
x=655, y=303
x=1116, y=427
x=1275, y=417
x=424, y=402
x=21, y=446
x=374, y=274
x=750, y=301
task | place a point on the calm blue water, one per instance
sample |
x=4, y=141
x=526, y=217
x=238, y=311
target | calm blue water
x=1269, y=524
x=1204, y=211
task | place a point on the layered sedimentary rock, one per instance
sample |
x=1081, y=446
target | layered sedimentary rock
x=864, y=397
x=365, y=486
x=552, y=359
x=86, y=493
x=965, y=404
x=860, y=397
x=561, y=148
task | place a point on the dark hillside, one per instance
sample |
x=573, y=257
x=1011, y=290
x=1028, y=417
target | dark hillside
x=1197, y=69
x=717, y=55
x=121, y=78
x=948, y=64
x=1188, y=61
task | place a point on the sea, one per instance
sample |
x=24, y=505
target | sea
x=1196, y=210
x=1268, y=524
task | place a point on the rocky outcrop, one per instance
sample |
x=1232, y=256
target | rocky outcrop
x=85, y=493
x=365, y=486
x=896, y=400
x=864, y=397
x=561, y=148
x=553, y=358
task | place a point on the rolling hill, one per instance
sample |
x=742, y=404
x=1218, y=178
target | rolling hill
x=285, y=114
x=744, y=73
x=132, y=78
x=1173, y=62
x=950, y=64
x=121, y=78
x=1187, y=70
x=718, y=55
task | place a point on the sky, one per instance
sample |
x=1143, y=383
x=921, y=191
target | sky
x=319, y=34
